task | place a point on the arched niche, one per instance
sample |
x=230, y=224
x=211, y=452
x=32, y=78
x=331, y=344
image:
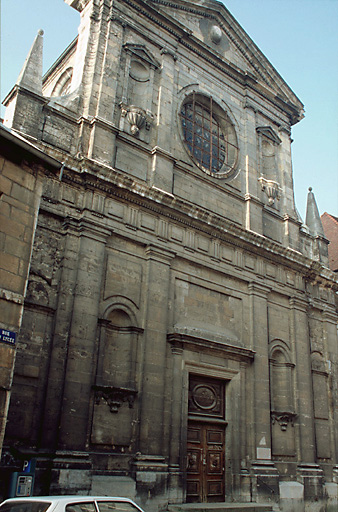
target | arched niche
x=281, y=378
x=118, y=348
x=282, y=403
x=138, y=89
x=62, y=86
x=114, y=417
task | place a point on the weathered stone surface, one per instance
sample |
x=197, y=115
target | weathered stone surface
x=165, y=299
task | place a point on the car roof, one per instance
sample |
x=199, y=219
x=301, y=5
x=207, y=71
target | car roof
x=54, y=501
x=70, y=497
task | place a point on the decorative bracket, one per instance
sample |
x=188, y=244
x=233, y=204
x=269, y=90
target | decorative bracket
x=136, y=117
x=283, y=418
x=114, y=396
x=271, y=188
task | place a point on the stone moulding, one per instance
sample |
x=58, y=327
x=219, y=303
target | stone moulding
x=185, y=341
x=283, y=419
x=114, y=396
x=98, y=176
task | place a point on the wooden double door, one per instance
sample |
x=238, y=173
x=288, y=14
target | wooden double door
x=205, y=462
x=206, y=440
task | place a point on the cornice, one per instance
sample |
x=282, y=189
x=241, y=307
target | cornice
x=61, y=111
x=117, y=184
x=239, y=38
x=182, y=341
x=48, y=310
x=16, y=89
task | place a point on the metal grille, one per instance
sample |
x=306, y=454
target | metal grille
x=210, y=147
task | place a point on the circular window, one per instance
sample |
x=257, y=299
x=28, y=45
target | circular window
x=209, y=136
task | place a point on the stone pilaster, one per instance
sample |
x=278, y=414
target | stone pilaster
x=103, y=128
x=155, y=336
x=176, y=404
x=162, y=159
x=83, y=331
x=175, y=454
x=287, y=204
x=175, y=451
x=330, y=321
x=260, y=409
x=303, y=385
x=63, y=315
x=254, y=219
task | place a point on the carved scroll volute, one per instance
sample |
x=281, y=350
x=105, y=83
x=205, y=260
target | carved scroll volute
x=283, y=419
x=114, y=397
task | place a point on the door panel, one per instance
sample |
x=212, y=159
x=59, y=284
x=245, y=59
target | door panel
x=205, y=462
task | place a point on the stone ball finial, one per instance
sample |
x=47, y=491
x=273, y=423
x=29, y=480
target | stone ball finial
x=216, y=34
x=40, y=32
x=310, y=189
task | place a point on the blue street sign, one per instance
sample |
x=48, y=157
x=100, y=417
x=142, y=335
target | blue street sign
x=7, y=337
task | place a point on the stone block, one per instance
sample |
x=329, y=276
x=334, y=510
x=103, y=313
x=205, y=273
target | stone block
x=5, y=210
x=331, y=492
x=10, y=263
x=19, y=175
x=22, y=194
x=113, y=486
x=291, y=497
x=12, y=282
x=132, y=162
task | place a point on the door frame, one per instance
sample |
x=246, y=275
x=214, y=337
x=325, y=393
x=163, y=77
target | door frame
x=190, y=418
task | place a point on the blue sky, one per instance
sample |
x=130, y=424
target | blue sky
x=299, y=37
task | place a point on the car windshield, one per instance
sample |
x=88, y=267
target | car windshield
x=25, y=506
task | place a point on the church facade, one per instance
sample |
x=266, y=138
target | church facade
x=179, y=333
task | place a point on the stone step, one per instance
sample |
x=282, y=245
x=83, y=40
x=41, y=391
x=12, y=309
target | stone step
x=220, y=507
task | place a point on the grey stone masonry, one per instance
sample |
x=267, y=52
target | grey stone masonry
x=179, y=333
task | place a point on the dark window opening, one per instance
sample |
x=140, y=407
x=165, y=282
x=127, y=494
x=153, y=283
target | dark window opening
x=211, y=143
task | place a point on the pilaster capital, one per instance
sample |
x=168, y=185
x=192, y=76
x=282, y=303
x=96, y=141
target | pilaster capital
x=259, y=290
x=159, y=254
x=93, y=230
x=249, y=197
x=70, y=225
x=169, y=52
x=250, y=105
x=84, y=226
x=177, y=348
x=330, y=315
x=299, y=304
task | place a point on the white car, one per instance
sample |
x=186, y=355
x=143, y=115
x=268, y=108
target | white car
x=69, y=504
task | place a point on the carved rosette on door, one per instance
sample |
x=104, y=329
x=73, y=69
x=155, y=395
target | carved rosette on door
x=206, y=440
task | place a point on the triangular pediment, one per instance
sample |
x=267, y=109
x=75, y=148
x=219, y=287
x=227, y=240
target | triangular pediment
x=211, y=24
x=140, y=51
x=269, y=133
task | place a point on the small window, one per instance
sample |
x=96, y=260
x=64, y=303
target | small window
x=116, y=506
x=209, y=136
